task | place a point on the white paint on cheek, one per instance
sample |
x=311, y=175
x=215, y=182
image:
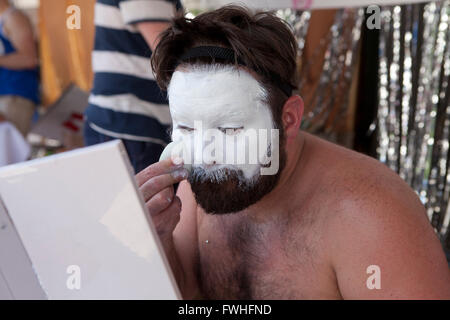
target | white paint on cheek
x=219, y=98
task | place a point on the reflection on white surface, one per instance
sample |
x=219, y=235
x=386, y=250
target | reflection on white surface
x=13, y=147
x=82, y=208
x=128, y=231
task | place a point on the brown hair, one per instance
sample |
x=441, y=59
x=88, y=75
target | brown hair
x=261, y=40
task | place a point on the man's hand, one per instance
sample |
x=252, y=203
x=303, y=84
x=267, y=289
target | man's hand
x=156, y=185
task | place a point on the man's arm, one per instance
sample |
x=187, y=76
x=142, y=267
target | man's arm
x=20, y=33
x=386, y=227
x=151, y=30
x=186, y=240
x=151, y=17
x=174, y=218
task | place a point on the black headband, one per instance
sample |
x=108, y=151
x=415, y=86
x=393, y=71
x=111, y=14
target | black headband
x=229, y=55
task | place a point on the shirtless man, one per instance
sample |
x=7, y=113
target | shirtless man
x=312, y=230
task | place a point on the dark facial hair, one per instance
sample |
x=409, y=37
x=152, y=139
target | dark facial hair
x=235, y=193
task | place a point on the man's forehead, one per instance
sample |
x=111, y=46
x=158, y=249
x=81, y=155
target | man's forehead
x=208, y=81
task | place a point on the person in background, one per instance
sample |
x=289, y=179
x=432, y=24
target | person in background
x=19, y=81
x=125, y=102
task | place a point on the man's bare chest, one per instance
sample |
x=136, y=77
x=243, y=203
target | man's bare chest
x=245, y=260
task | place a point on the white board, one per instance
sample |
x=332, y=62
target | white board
x=298, y=4
x=82, y=209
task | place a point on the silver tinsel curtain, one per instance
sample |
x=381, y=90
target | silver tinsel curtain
x=414, y=108
x=413, y=113
x=327, y=98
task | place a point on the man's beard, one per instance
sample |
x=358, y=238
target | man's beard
x=228, y=191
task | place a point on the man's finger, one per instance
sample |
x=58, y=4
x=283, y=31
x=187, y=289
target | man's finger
x=160, y=201
x=168, y=219
x=156, y=169
x=156, y=184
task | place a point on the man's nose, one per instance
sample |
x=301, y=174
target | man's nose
x=209, y=150
x=209, y=160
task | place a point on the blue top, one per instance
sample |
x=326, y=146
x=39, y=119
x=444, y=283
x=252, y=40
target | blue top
x=22, y=83
x=125, y=100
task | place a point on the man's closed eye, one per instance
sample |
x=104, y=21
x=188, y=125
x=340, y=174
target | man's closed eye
x=230, y=130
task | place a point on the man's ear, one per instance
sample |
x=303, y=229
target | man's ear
x=292, y=116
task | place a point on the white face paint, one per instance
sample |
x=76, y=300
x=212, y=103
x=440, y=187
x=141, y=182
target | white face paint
x=222, y=99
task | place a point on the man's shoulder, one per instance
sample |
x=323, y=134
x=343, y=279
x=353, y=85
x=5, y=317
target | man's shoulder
x=360, y=188
x=370, y=208
x=373, y=218
x=351, y=172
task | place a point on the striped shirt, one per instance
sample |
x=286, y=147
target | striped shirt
x=125, y=101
